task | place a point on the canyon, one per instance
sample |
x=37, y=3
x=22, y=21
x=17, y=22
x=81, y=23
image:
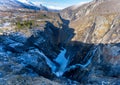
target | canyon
x=79, y=45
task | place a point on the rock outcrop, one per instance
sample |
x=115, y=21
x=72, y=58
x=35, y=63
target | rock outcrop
x=96, y=65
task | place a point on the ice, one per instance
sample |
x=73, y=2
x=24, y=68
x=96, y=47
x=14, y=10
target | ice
x=58, y=70
x=62, y=61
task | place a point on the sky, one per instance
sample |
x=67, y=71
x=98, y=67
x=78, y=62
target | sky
x=59, y=4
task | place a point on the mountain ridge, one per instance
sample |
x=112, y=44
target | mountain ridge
x=24, y=4
x=97, y=19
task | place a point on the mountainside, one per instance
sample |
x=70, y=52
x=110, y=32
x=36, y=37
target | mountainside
x=18, y=4
x=95, y=22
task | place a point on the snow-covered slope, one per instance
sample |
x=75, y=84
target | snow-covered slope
x=23, y=4
x=26, y=2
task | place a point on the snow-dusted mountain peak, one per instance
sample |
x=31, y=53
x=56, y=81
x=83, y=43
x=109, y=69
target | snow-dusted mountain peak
x=20, y=4
x=26, y=2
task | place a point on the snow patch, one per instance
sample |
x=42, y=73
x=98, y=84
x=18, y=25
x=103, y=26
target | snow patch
x=5, y=24
x=26, y=2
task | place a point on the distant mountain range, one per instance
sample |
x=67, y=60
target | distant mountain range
x=21, y=4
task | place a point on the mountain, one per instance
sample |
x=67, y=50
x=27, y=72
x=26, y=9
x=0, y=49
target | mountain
x=19, y=4
x=95, y=22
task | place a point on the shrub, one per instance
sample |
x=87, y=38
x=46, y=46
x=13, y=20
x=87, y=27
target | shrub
x=24, y=24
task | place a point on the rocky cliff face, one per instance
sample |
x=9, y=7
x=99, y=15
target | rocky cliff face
x=100, y=65
x=31, y=60
x=95, y=22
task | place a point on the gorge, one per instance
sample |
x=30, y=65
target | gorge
x=77, y=46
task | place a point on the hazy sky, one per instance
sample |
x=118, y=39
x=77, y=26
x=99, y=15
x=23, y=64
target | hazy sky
x=59, y=4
